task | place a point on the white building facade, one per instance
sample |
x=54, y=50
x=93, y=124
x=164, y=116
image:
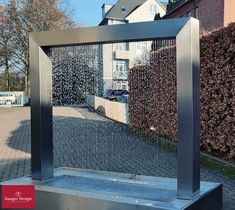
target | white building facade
x=118, y=58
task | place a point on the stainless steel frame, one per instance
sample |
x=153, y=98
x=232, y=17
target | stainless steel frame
x=186, y=32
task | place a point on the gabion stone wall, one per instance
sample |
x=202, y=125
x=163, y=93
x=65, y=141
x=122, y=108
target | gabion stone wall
x=152, y=102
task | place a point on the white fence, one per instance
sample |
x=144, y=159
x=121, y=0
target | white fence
x=113, y=110
x=13, y=98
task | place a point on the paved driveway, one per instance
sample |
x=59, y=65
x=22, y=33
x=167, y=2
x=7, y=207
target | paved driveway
x=86, y=140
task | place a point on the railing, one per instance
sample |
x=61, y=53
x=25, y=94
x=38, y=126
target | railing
x=119, y=76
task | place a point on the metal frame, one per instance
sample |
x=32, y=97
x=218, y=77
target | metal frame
x=186, y=32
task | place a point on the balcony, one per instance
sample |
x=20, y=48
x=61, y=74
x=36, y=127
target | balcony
x=122, y=54
x=120, y=76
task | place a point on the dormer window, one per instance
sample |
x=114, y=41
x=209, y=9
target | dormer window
x=123, y=9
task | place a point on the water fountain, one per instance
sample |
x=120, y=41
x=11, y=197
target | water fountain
x=67, y=188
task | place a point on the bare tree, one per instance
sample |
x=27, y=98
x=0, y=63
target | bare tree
x=26, y=16
x=5, y=46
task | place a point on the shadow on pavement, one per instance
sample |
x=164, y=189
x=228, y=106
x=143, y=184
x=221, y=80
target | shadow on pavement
x=101, y=144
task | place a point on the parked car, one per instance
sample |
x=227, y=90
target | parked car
x=113, y=94
x=123, y=99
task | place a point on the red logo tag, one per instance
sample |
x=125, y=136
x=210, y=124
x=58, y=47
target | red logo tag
x=18, y=196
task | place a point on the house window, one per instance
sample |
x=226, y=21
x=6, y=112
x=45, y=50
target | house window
x=197, y=13
x=123, y=9
x=153, y=9
x=121, y=70
x=124, y=86
x=121, y=85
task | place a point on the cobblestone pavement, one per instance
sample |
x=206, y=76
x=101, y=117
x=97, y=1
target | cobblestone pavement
x=86, y=140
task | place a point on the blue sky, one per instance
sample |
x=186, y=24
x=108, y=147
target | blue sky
x=88, y=12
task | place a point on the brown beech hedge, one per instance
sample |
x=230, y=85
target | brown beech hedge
x=152, y=102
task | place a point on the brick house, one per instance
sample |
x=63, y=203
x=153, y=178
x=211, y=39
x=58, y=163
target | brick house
x=213, y=14
x=1, y=8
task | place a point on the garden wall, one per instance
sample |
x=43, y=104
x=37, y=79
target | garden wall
x=111, y=109
x=152, y=102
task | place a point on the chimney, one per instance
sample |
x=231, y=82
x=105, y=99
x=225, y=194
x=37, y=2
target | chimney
x=105, y=9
